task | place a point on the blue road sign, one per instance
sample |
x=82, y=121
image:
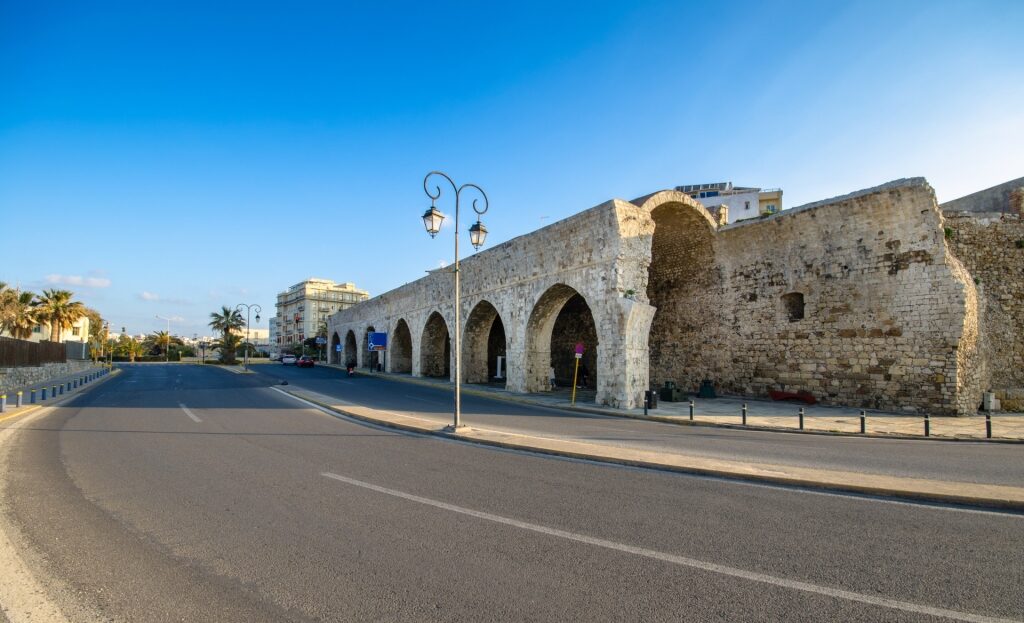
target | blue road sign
x=337, y=347
x=377, y=341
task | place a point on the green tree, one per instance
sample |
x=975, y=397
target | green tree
x=57, y=308
x=20, y=313
x=227, y=321
x=227, y=346
x=158, y=341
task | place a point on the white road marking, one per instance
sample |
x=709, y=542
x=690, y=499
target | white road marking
x=189, y=413
x=693, y=563
x=862, y=497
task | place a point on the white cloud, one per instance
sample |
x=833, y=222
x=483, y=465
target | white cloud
x=149, y=296
x=78, y=281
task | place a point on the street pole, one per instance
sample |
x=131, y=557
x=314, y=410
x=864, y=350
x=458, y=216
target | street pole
x=477, y=233
x=248, y=307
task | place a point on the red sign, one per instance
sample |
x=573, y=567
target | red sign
x=579, y=348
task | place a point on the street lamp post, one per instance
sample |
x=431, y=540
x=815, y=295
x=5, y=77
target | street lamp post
x=477, y=233
x=167, y=347
x=248, y=308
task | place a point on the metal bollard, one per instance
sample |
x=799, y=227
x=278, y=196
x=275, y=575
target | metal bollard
x=927, y=426
x=76, y=383
x=44, y=393
x=691, y=410
x=744, y=414
x=3, y=403
x=18, y=402
x=55, y=390
x=32, y=396
x=801, y=418
x=988, y=426
x=863, y=422
x=69, y=387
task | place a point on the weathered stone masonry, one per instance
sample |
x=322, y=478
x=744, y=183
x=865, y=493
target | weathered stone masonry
x=857, y=300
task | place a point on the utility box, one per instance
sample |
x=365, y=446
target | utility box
x=651, y=399
x=707, y=389
x=671, y=393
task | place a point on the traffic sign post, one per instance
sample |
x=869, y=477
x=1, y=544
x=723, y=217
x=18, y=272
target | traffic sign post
x=576, y=370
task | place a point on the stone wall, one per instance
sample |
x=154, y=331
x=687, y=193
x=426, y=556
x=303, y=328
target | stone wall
x=855, y=299
x=1007, y=197
x=13, y=378
x=991, y=247
x=889, y=314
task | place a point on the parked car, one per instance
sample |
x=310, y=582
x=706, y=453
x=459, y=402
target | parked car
x=288, y=359
x=305, y=361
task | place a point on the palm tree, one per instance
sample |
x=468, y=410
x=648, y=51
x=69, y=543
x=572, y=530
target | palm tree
x=227, y=346
x=159, y=339
x=20, y=313
x=227, y=321
x=57, y=308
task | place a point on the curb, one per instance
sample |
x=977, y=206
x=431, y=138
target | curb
x=679, y=422
x=875, y=490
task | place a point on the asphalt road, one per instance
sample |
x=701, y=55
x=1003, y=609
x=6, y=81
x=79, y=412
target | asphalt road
x=177, y=492
x=944, y=460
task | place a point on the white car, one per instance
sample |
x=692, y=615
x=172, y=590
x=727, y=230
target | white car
x=288, y=359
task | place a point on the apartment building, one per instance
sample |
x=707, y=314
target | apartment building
x=743, y=202
x=304, y=307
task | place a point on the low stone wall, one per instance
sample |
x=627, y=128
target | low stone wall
x=12, y=378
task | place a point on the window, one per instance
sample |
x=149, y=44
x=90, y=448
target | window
x=37, y=329
x=76, y=330
x=746, y=205
x=794, y=305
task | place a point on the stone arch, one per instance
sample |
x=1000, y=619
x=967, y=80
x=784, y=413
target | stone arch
x=436, y=348
x=684, y=285
x=400, y=348
x=333, y=355
x=369, y=359
x=351, y=350
x=560, y=319
x=483, y=340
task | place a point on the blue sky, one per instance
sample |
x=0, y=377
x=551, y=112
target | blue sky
x=168, y=158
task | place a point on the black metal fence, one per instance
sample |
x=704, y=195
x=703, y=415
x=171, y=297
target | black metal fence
x=16, y=353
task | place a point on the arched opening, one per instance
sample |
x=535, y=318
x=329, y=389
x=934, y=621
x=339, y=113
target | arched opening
x=483, y=342
x=682, y=284
x=334, y=355
x=400, y=348
x=436, y=348
x=371, y=358
x=560, y=320
x=350, y=349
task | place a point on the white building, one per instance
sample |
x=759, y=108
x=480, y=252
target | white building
x=742, y=202
x=304, y=307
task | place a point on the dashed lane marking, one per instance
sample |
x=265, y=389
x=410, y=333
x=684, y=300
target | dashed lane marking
x=189, y=413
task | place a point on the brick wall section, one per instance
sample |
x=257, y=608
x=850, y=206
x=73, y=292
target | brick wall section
x=987, y=244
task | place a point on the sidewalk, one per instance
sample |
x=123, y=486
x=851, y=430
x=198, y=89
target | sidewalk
x=761, y=414
x=989, y=495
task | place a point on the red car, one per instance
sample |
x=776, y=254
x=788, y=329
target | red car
x=304, y=361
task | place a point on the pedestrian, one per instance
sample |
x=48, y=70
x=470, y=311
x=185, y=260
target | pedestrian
x=551, y=378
